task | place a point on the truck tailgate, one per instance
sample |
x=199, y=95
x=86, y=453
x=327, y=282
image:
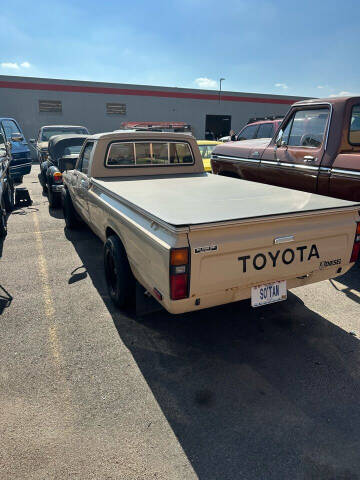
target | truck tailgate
x=252, y=253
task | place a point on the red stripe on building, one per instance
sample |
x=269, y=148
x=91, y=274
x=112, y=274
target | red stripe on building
x=144, y=93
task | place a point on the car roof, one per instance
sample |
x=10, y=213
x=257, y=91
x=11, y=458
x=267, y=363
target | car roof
x=62, y=126
x=8, y=118
x=265, y=121
x=120, y=134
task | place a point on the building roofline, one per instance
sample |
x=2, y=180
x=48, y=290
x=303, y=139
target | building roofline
x=77, y=86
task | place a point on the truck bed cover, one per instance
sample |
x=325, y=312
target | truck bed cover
x=206, y=198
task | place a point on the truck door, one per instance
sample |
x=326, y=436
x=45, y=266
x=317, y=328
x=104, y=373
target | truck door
x=293, y=160
x=82, y=181
x=345, y=173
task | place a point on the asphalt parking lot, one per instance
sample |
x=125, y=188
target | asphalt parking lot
x=88, y=392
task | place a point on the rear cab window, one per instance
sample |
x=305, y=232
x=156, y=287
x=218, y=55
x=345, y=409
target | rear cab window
x=248, y=133
x=354, y=131
x=143, y=153
x=266, y=130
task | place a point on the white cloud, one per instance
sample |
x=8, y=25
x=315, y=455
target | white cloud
x=344, y=93
x=281, y=85
x=14, y=65
x=204, y=82
x=10, y=65
x=320, y=86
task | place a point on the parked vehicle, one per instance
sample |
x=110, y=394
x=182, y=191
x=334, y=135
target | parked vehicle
x=47, y=131
x=179, y=127
x=206, y=147
x=20, y=164
x=63, y=151
x=317, y=149
x=6, y=183
x=195, y=240
x=259, y=129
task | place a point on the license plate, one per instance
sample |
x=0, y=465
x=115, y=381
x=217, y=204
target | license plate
x=268, y=293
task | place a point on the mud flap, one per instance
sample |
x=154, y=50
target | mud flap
x=145, y=303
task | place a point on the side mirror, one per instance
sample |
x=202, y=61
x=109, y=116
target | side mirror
x=17, y=137
x=279, y=142
x=32, y=140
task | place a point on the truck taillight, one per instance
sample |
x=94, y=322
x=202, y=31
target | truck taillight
x=356, y=249
x=57, y=177
x=179, y=273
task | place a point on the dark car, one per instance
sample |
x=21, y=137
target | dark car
x=48, y=131
x=20, y=164
x=6, y=183
x=63, y=152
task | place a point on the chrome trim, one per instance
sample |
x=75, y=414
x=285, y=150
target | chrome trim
x=239, y=159
x=14, y=167
x=57, y=188
x=288, y=239
x=346, y=172
x=290, y=165
x=269, y=162
x=298, y=166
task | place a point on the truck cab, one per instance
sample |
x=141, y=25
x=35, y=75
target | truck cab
x=317, y=150
x=20, y=164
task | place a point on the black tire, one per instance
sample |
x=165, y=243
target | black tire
x=118, y=274
x=3, y=220
x=72, y=219
x=42, y=183
x=54, y=198
x=9, y=197
x=18, y=178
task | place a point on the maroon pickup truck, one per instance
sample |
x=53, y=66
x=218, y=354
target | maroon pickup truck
x=316, y=149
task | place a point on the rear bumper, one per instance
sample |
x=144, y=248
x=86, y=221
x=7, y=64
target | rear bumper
x=20, y=169
x=239, y=293
x=57, y=188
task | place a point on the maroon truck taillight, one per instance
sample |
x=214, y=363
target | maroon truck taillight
x=179, y=273
x=356, y=248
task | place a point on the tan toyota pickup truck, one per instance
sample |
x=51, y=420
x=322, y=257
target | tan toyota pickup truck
x=195, y=240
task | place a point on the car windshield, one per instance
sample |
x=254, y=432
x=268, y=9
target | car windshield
x=49, y=132
x=206, y=150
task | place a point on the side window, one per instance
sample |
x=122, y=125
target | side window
x=83, y=162
x=265, y=131
x=10, y=128
x=354, y=133
x=248, y=132
x=308, y=128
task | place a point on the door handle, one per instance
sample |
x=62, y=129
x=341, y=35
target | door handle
x=309, y=158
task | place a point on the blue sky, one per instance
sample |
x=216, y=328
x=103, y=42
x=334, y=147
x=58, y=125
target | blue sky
x=308, y=48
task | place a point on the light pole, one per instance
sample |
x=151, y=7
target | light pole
x=221, y=80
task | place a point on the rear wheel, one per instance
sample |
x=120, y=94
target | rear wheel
x=3, y=220
x=17, y=178
x=72, y=219
x=54, y=198
x=119, y=277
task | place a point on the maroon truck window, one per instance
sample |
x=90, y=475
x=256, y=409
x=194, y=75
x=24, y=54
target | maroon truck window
x=354, y=131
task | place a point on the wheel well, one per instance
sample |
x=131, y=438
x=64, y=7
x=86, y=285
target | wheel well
x=229, y=174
